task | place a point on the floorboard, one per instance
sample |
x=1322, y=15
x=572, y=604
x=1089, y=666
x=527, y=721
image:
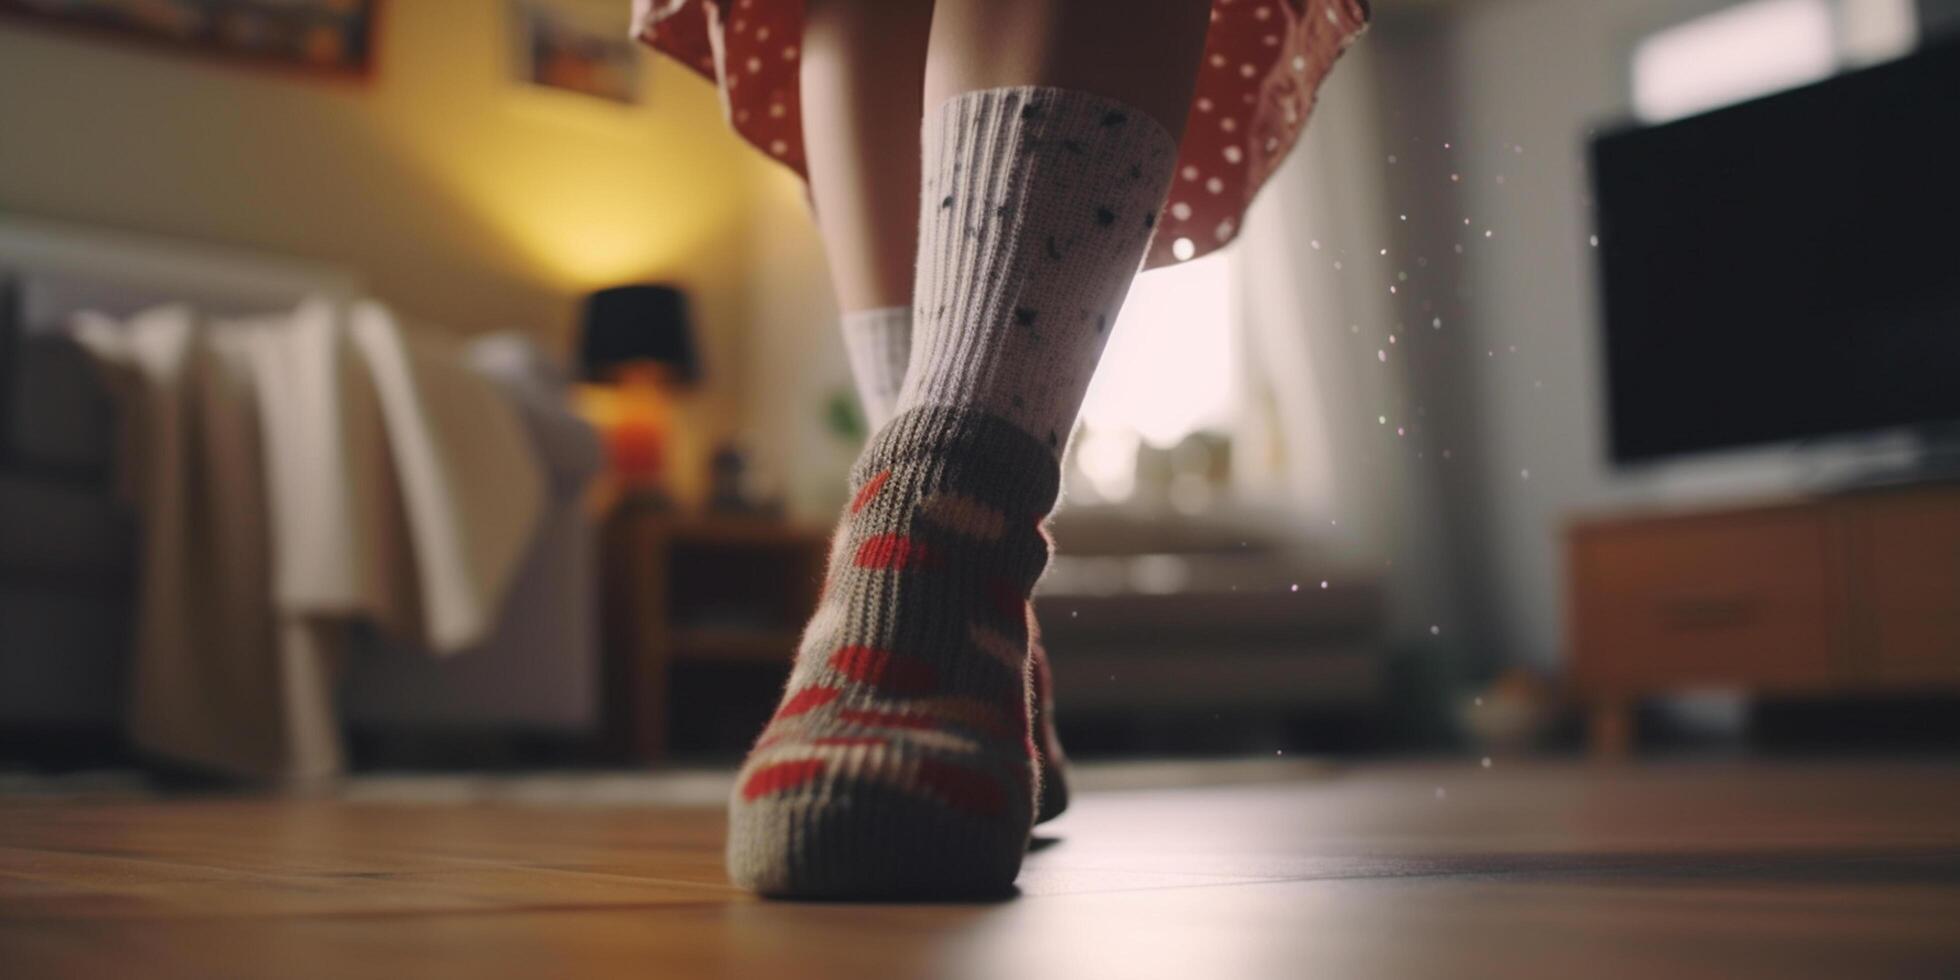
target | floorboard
x=1686, y=870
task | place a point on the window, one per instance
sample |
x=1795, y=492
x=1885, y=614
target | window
x=1740, y=53
x=1760, y=47
x=1168, y=371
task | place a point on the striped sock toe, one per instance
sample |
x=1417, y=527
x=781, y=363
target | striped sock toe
x=901, y=761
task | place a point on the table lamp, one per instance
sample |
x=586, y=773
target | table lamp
x=635, y=347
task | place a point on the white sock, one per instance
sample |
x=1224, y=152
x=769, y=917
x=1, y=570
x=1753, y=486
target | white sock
x=878, y=343
x=1037, y=204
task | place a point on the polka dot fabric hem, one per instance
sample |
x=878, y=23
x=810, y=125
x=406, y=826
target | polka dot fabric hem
x=1263, y=64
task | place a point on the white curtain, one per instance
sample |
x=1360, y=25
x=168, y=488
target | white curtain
x=1326, y=392
x=1314, y=385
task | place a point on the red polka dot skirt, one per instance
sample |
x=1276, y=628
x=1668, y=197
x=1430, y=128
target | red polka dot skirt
x=1263, y=64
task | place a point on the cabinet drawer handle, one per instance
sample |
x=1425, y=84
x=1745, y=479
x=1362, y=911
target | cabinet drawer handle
x=1710, y=613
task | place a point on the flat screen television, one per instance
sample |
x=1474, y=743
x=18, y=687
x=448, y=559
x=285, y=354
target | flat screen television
x=1787, y=268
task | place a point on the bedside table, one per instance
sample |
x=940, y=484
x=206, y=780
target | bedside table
x=682, y=589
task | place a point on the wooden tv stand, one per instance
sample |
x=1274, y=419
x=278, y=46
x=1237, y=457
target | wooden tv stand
x=1850, y=594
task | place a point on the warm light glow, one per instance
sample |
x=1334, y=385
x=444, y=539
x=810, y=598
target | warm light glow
x=1168, y=369
x=635, y=418
x=1108, y=458
x=589, y=219
x=597, y=404
x=583, y=193
x=1746, y=51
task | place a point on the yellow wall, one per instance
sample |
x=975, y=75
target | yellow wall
x=467, y=200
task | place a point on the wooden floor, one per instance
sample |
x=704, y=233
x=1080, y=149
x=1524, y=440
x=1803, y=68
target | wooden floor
x=1707, y=870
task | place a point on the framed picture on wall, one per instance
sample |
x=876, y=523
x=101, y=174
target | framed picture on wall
x=326, y=37
x=577, y=47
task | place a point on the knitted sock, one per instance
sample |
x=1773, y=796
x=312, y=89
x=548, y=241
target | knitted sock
x=1051, y=766
x=878, y=343
x=1033, y=228
x=899, y=763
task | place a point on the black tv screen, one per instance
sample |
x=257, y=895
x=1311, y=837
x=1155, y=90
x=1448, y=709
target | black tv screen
x=1786, y=268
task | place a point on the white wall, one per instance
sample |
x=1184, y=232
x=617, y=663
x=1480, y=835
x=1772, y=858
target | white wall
x=1535, y=74
x=1512, y=384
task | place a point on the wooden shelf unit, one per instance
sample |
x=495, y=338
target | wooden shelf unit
x=702, y=590
x=1842, y=595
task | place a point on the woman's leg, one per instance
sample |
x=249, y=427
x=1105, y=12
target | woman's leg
x=863, y=78
x=863, y=81
x=1052, y=128
x=1140, y=52
x=863, y=87
x=898, y=762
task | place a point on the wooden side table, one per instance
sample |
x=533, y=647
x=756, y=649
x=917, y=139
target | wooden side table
x=683, y=589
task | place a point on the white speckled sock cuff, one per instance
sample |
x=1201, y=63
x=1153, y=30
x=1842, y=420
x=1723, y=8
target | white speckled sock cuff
x=1038, y=205
x=878, y=344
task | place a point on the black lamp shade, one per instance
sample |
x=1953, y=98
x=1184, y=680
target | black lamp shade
x=627, y=324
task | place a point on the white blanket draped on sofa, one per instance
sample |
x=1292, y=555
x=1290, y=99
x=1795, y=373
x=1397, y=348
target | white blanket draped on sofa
x=295, y=474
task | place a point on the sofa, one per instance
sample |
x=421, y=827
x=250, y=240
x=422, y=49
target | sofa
x=68, y=544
